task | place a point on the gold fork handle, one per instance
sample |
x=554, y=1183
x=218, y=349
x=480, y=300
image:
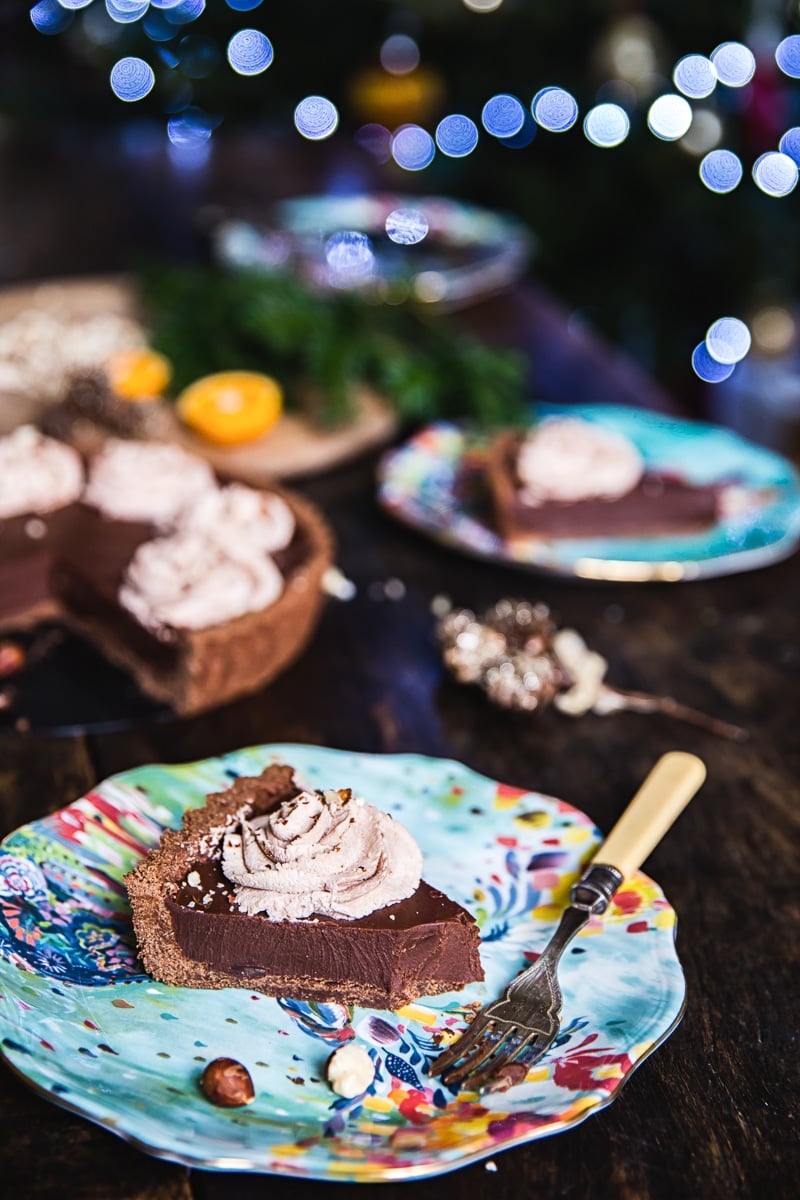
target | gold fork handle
x=658, y=803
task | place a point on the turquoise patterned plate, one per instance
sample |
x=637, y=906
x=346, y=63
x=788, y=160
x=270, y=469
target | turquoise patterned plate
x=435, y=483
x=82, y=1023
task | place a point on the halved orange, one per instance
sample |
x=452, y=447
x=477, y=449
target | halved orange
x=138, y=374
x=231, y=406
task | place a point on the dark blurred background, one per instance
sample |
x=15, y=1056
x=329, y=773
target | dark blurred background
x=629, y=238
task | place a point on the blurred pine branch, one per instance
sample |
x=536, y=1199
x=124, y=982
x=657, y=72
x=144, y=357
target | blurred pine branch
x=325, y=345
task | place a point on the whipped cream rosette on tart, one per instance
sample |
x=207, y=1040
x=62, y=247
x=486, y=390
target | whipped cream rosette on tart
x=203, y=592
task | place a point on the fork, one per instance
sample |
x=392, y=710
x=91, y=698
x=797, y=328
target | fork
x=510, y=1034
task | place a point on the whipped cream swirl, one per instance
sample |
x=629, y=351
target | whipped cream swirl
x=186, y=581
x=323, y=853
x=147, y=481
x=240, y=515
x=37, y=473
x=566, y=459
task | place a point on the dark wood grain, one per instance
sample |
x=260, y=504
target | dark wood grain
x=713, y=1111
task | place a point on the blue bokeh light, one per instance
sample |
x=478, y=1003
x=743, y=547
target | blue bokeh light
x=606, y=125
x=49, y=17
x=131, y=78
x=669, y=117
x=503, y=115
x=775, y=173
x=191, y=127
x=721, y=171
x=126, y=12
x=157, y=27
x=243, y=5
x=695, y=76
x=406, y=226
x=728, y=340
x=734, y=63
x=316, y=118
x=399, y=54
x=554, y=109
x=787, y=56
x=790, y=144
x=74, y=3
x=185, y=11
x=349, y=254
x=456, y=135
x=707, y=368
x=413, y=148
x=250, y=52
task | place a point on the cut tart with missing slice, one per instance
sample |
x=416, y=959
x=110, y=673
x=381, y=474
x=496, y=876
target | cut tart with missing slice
x=202, y=592
x=297, y=893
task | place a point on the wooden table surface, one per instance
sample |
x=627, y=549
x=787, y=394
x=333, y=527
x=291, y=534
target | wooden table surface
x=713, y=1111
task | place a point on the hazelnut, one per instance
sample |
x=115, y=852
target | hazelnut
x=12, y=658
x=227, y=1083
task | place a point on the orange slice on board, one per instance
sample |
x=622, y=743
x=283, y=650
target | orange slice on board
x=231, y=406
x=138, y=374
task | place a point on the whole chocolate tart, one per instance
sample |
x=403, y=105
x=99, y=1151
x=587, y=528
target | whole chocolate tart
x=68, y=566
x=190, y=932
x=658, y=504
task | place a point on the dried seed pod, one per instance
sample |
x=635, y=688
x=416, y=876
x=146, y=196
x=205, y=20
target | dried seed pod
x=521, y=623
x=469, y=646
x=227, y=1083
x=522, y=660
x=525, y=681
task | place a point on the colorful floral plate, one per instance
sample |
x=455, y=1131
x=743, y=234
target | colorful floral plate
x=82, y=1023
x=435, y=482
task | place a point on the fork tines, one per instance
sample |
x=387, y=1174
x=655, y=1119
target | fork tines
x=483, y=1051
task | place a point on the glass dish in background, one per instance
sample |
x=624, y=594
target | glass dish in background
x=438, y=251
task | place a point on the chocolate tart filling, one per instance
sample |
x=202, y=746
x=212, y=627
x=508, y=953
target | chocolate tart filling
x=190, y=931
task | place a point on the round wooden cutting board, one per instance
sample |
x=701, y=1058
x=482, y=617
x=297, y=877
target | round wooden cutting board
x=293, y=449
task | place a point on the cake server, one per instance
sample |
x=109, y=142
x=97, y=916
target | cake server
x=508, y=1035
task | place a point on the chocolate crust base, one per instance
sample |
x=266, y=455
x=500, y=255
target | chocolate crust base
x=657, y=505
x=424, y=945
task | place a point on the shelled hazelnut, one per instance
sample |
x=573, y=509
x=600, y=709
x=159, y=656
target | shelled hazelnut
x=350, y=1070
x=227, y=1083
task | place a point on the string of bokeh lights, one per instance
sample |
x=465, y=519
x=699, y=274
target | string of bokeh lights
x=249, y=52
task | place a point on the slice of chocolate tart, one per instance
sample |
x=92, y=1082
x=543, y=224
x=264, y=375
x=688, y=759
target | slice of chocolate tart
x=655, y=505
x=191, y=931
